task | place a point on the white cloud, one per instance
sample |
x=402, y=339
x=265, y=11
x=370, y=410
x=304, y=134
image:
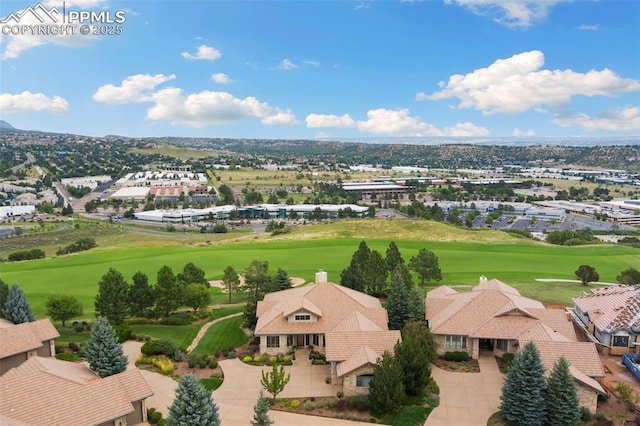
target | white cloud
x=29, y=102
x=511, y=13
x=204, y=52
x=517, y=132
x=625, y=119
x=312, y=63
x=280, y=117
x=398, y=122
x=15, y=45
x=287, y=65
x=518, y=84
x=465, y=129
x=362, y=5
x=135, y=88
x=586, y=27
x=221, y=78
x=329, y=120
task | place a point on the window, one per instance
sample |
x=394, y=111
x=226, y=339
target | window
x=364, y=380
x=455, y=342
x=621, y=341
x=316, y=340
x=301, y=317
x=273, y=341
x=290, y=340
x=503, y=345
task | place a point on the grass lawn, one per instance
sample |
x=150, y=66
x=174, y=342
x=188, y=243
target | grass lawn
x=222, y=335
x=68, y=334
x=227, y=310
x=180, y=335
x=464, y=255
x=212, y=383
x=407, y=416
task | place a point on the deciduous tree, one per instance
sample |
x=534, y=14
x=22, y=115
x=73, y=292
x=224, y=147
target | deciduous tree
x=587, y=274
x=111, y=301
x=629, y=276
x=275, y=380
x=102, y=350
x=563, y=406
x=425, y=264
x=62, y=307
x=193, y=405
x=16, y=308
x=196, y=296
x=524, y=390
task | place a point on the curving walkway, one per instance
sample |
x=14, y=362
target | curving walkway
x=467, y=399
x=204, y=329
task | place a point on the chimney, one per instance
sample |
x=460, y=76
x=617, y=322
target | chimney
x=321, y=277
x=483, y=279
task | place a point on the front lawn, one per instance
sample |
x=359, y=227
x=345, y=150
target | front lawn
x=223, y=335
x=180, y=335
x=412, y=415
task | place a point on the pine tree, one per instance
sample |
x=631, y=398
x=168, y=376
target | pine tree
x=398, y=303
x=425, y=264
x=393, y=257
x=230, y=280
x=416, y=304
x=354, y=275
x=281, y=281
x=375, y=274
x=168, y=291
x=414, y=354
x=386, y=389
x=102, y=350
x=4, y=293
x=193, y=405
x=141, y=294
x=524, y=390
x=261, y=412
x=17, y=309
x=191, y=274
x=563, y=406
x=112, y=299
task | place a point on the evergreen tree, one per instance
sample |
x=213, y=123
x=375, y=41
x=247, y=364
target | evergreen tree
x=354, y=275
x=191, y=274
x=256, y=279
x=61, y=307
x=193, y=405
x=629, y=276
x=375, y=274
x=425, y=264
x=393, y=257
x=587, y=274
x=281, y=281
x=141, y=295
x=261, y=412
x=416, y=304
x=16, y=308
x=398, y=303
x=250, y=317
x=4, y=294
x=168, y=291
x=563, y=406
x=524, y=390
x=414, y=353
x=231, y=281
x=386, y=389
x=275, y=380
x=196, y=296
x=102, y=350
x=112, y=298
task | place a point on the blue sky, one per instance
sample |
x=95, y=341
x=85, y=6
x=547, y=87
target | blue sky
x=308, y=69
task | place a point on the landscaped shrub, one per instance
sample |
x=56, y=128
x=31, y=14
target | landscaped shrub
x=358, y=402
x=294, y=404
x=327, y=380
x=340, y=394
x=309, y=405
x=247, y=359
x=623, y=391
x=153, y=416
x=163, y=363
x=432, y=387
x=456, y=356
x=78, y=328
x=320, y=404
x=341, y=405
x=257, y=358
x=318, y=362
x=123, y=332
x=177, y=319
x=585, y=414
x=286, y=360
x=507, y=358
x=272, y=360
x=74, y=347
x=213, y=363
x=331, y=404
x=231, y=354
x=159, y=347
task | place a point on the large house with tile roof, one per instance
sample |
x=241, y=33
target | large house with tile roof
x=49, y=391
x=349, y=327
x=494, y=318
x=610, y=316
x=19, y=342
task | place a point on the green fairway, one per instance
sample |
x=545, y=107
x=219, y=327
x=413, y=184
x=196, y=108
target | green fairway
x=464, y=256
x=222, y=335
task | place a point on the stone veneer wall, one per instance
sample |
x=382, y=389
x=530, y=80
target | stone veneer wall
x=349, y=381
x=588, y=397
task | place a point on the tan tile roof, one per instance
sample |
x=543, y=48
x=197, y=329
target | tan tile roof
x=558, y=320
x=52, y=392
x=362, y=356
x=341, y=345
x=612, y=308
x=19, y=338
x=335, y=301
x=581, y=355
x=356, y=321
x=586, y=380
x=495, y=284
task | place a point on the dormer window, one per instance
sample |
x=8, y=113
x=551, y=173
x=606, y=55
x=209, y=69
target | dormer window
x=302, y=317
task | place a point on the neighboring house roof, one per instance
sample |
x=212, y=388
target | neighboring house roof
x=354, y=324
x=581, y=355
x=25, y=337
x=612, y=308
x=53, y=392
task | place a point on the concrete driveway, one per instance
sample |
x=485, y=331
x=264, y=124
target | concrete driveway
x=467, y=399
x=241, y=387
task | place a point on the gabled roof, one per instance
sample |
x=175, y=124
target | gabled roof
x=495, y=284
x=333, y=302
x=19, y=338
x=53, y=392
x=362, y=356
x=581, y=355
x=612, y=308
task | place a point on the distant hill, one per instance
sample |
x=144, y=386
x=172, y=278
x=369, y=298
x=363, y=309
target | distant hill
x=5, y=125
